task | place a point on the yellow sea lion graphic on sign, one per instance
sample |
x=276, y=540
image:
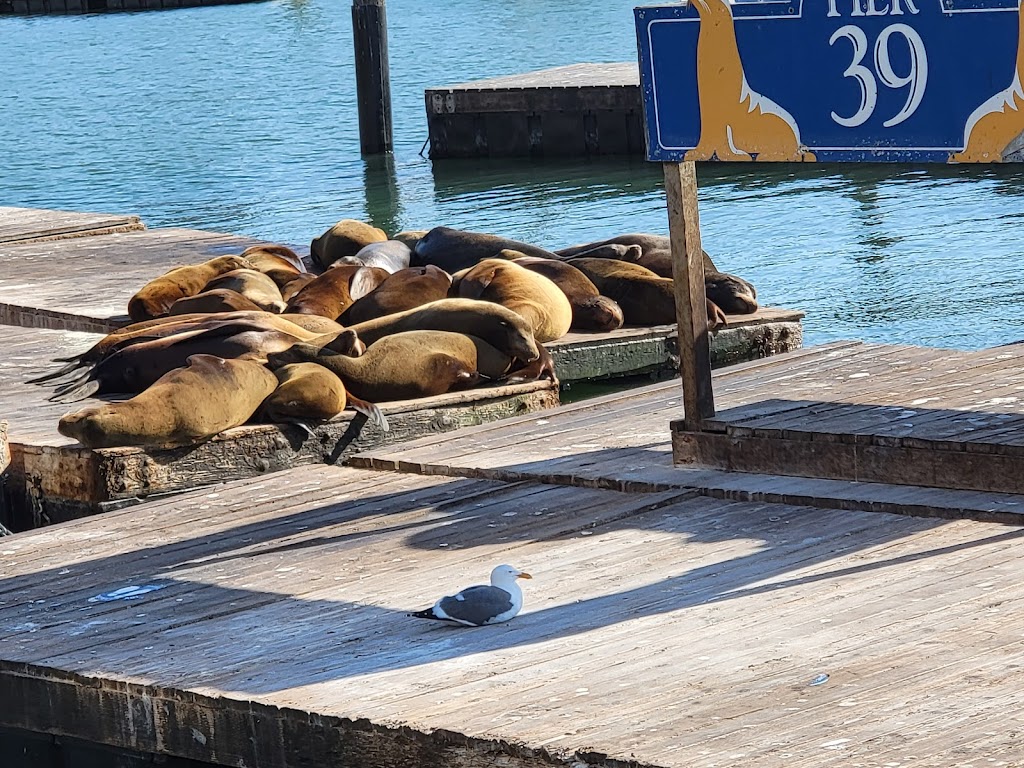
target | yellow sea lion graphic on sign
x=736, y=122
x=994, y=126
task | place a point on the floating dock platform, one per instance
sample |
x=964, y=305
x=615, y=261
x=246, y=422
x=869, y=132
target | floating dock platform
x=677, y=618
x=573, y=111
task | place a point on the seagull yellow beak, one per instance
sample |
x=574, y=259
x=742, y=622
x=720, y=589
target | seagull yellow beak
x=523, y=575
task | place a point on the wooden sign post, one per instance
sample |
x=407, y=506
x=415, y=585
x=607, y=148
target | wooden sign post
x=804, y=81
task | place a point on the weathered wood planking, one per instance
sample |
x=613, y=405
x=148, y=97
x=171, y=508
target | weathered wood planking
x=53, y=478
x=623, y=441
x=84, y=284
x=20, y=225
x=915, y=416
x=634, y=350
x=574, y=110
x=659, y=630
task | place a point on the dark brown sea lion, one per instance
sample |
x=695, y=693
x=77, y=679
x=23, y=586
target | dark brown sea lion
x=219, y=300
x=455, y=249
x=336, y=290
x=254, y=285
x=345, y=238
x=155, y=298
x=277, y=262
x=499, y=326
x=184, y=406
x=530, y=294
x=405, y=289
x=390, y=255
x=402, y=366
x=590, y=310
x=134, y=368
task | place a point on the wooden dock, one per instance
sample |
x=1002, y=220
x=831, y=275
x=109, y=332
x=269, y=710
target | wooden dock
x=21, y=225
x=269, y=629
x=62, y=7
x=572, y=111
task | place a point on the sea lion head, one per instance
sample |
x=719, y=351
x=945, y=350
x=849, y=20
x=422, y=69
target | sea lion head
x=346, y=343
x=92, y=426
x=733, y=294
x=228, y=263
x=598, y=313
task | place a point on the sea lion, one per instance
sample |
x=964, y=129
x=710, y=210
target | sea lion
x=736, y=122
x=155, y=298
x=499, y=326
x=136, y=367
x=296, y=284
x=402, y=366
x=456, y=249
x=335, y=290
x=530, y=294
x=219, y=300
x=405, y=289
x=183, y=407
x=410, y=237
x=308, y=392
x=254, y=285
x=390, y=255
x=345, y=238
x=280, y=264
x=590, y=310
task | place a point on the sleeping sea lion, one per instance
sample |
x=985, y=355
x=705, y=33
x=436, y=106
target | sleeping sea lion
x=529, y=294
x=590, y=310
x=335, y=290
x=277, y=262
x=499, y=326
x=345, y=238
x=390, y=255
x=136, y=367
x=155, y=298
x=254, y=285
x=403, y=290
x=402, y=366
x=219, y=300
x=184, y=406
x=296, y=284
x=410, y=237
x=308, y=392
x=456, y=249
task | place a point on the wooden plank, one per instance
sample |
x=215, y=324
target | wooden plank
x=21, y=225
x=894, y=610
x=84, y=284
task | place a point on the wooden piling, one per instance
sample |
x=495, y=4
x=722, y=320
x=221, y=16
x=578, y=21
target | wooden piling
x=373, y=80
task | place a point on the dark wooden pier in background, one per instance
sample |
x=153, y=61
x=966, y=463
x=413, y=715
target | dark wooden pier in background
x=572, y=111
x=41, y=7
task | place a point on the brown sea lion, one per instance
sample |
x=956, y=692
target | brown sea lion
x=590, y=310
x=403, y=290
x=335, y=290
x=136, y=367
x=499, y=326
x=456, y=249
x=184, y=406
x=390, y=255
x=308, y=393
x=155, y=298
x=296, y=284
x=410, y=237
x=254, y=285
x=219, y=300
x=398, y=367
x=277, y=262
x=345, y=238
x=538, y=300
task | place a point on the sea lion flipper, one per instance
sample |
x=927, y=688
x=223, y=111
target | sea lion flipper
x=81, y=392
x=364, y=281
x=473, y=286
x=71, y=367
x=371, y=411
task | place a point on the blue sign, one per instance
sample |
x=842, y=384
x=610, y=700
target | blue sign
x=826, y=80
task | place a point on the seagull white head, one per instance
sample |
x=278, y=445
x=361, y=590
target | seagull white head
x=503, y=575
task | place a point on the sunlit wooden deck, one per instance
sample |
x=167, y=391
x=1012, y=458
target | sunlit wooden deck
x=661, y=629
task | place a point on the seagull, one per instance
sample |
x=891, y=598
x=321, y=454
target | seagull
x=481, y=604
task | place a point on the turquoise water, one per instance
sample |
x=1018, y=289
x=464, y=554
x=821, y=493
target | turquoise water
x=242, y=119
